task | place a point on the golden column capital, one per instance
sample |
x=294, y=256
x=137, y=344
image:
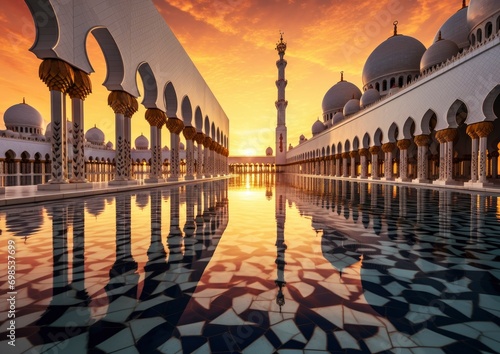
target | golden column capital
x=189, y=133
x=471, y=131
x=199, y=138
x=132, y=108
x=207, y=142
x=345, y=155
x=404, y=144
x=439, y=137
x=421, y=140
x=56, y=74
x=388, y=147
x=448, y=134
x=213, y=145
x=353, y=154
x=364, y=152
x=119, y=101
x=155, y=117
x=82, y=86
x=338, y=156
x=175, y=125
x=374, y=149
x=483, y=129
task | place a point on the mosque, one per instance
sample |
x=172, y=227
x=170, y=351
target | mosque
x=423, y=115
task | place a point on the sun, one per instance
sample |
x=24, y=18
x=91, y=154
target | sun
x=249, y=152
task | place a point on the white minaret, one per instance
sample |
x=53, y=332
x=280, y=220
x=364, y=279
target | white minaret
x=281, y=103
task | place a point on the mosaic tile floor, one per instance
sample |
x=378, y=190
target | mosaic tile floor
x=254, y=266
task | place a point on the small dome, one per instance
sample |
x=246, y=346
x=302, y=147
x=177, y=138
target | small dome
x=181, y=146
x=141, y=143
x=317, y=127
x=480, y=11
x=165, y=148
x=302, y=139
x=338, y=95
x=290, y=146
x=95, y=136
x=269, y=151
x=109, y=145
x=438, y=53
x=456, y=29
x=352, y=106
x=22, y=115
x=337, y=118
x=369, y=97
x=396, y=55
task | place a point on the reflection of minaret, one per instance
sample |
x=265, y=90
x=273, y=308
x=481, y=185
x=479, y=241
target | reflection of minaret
x=281, y=103
x=280, y=240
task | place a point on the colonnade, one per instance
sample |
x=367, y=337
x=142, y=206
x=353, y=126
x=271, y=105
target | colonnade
x=61, y=79
x=366, y=163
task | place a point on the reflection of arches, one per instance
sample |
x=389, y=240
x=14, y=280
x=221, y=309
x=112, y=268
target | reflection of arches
x=149, y=84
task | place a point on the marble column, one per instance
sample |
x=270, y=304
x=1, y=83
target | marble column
x=175, y=126
x=364, y=153
x=189, y=134
x=493, y=155
x=345, y=170
x=207, y=143
x=483, y=129
x=127, y=124
x=374, y=152
x=471, y=131
x=353, y=155
x=388, y=148
x=338, y=157
x=156, y=118
x=422, y=142
x=59, y=77
x=199, y=138
x=446, y=138
x=403, y=146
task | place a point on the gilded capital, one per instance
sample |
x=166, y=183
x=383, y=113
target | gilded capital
x=483, y=129
x=119, y=101
x=82, y=86
x=471, y=131
x=155, y=117
x=189, y=133
x=404, y=144
x=175, y=125
x=353, y=154
x=207, y=142
x=132, y=108
x=421, y=140
x=56, y=74
x=448, y=135
x=374, y=149
x=199, y=138
x=364, y=152
x=338, y=156
x=388, y=147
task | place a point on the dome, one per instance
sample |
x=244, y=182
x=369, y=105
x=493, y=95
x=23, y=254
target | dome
x=269, y=151
x=181, y=146
x=456, y=29
x=109, y=145
x=338, y=95
x=317, y=127
x=337, y=118
x=141, y=143
x=22, y=115
x=480, y=11
x=369, y=97
x=351, y=107
x=95, y=136
x=302, y=138
x=397, y=55
x=437, y=53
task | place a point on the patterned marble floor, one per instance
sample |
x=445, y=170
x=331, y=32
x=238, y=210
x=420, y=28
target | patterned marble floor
x=255, y=265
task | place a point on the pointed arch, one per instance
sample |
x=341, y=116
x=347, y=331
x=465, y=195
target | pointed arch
x=170, y=97
x=456, y=111
x=366, y=141
x=186, y=111
x=378, y=137
x=491, y=105
x=426, y=123
x=355, y=144
x=408, y=128
x=347, y=146
x=393, y=133
x=198, y=119
x=150, y=86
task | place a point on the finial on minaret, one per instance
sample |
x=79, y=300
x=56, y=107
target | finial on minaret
x=395, y=23
x=439, y=36
x=281, y=46
x=24, y=100
x=342, y=76
x=463, y=4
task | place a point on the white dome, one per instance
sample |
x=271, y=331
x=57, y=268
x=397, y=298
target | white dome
x=22, y=115
x=480, y=11
x=456, y=29
x=109, y=145
x=352, y=106
x=302, y=138
x=181, y=146
x=337, y=118
x=437, y=53
x=95, y=136
x=141, y=143
x=338, y=95
x=396, y=55
x=317, y=127
x=269, y=151
x=369, y=97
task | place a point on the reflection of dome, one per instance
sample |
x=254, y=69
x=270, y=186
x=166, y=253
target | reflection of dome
x=338, y=95
x=456, y=29
x=23, y=118
x=369, y=96
x=142, y=200
x=351, y=107
x=95, y=206
x=480, y=11
x=438, y=53
x=317, y=127
x=95, y=136
x=141, y=143
x=24, y=222
x=337, y=118
x=269, y=151
x=395, y=56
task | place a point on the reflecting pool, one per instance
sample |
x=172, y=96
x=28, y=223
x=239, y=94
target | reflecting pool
x=255, y=265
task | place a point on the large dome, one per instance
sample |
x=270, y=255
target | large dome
x=338, y=95
x=437, y=53
x=456, y=29
x=397, y=55
x=95, y=136
x=481, y=10
x=141, y=143
x=22, y=115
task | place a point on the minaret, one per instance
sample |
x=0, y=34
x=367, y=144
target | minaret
x=281, y=103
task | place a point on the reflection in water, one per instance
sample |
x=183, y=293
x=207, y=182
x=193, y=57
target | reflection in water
x=369, y=268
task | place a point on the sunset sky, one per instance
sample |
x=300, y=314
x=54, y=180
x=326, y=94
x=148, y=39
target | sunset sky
x=232, y=43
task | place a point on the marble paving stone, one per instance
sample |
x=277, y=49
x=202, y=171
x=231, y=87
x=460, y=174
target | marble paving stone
x=171, y=346
x=141, y=326
x=242, y=303
x=261, y=346
x=285, y=330
x=345, y=340
x=121, y=340
x=427, y=336
x=318, y=340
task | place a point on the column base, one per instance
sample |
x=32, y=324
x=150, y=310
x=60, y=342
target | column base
x=189, y=178
x=174, y=179
x=478, y=184
x=81, y=185
x=57, y=186
x=2, y=190
x=420, y=180
x=362, y=177
x=446, y=183
x=406, y=179
x=125, y=182
x=389, y=179
x=154, y=180
x=374, y=178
